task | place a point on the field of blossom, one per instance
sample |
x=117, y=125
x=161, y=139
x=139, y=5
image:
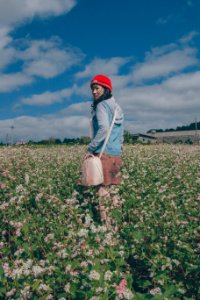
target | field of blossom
x=53, y=245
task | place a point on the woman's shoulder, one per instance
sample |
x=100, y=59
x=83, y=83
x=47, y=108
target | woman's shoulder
x=108, y=104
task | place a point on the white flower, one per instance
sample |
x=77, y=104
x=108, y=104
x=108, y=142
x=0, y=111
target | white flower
x=62, y=253
x=38, y=196
x=176, y=262
x=49, y=237
x=28, y=264
x=67, y=288
x=108, y=239
x=12, y=200
x=11, y=293
x=18, y=252
x=44, y=287
x=93, y=228
x=50, y=297
x=25, y=293
x=87, y=220
x=7, y=270
x=83, y=233
x=102, y=228
x=94, y=275
x=182, y=290
x=68, y=268
x=84, y=264
x=156, y=291
x=19, y=188
x=4, y=205
x=26, y=178
x=128, y=294
x=74, y=273
x=99, y=290
x=37, y=270
x=108, y=275
x=16, y=273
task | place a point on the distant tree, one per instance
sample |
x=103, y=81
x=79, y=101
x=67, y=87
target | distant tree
x=51, y=140
x=154, y=130
x=43, y=142
x=127, y=137
x=58, y=141
x=70, y=141
x=84, y=140
x=159, y=130
x=191, y=126
x=169, y=130
x=66, y=141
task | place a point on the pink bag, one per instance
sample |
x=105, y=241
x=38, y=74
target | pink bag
x=92, y=171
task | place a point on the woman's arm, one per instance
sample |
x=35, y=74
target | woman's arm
x=103, y=124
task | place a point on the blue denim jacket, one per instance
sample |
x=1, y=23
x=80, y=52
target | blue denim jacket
x=101, y=121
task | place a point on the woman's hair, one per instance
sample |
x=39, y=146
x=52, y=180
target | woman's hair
x=106, y=95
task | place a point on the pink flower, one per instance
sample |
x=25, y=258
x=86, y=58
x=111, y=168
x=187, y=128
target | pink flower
x=11, y=293
x=121, y=287
x=67, y=288
x=182, y=222
x=2, y=185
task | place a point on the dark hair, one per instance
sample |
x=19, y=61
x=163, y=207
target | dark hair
x=106, y=95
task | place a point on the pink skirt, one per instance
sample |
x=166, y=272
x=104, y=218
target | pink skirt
x=111, y=169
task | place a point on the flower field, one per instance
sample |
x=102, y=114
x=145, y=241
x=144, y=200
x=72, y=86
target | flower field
x=53, y=245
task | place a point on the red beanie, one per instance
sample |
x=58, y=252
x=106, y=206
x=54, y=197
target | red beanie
x=102, y=80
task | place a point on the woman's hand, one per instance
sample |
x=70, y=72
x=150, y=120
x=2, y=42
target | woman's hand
x=88, y=154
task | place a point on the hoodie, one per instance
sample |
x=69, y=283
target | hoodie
x=101, y=121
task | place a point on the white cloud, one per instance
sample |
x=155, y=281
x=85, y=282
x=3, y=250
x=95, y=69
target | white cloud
x=47, y=58
x=35, y=128
x=165, y=20
x=173, y=102
x=70, y=122
x=9, y=82
x=77, y=109
x=13, y=12
x=104, y=66
x=39, y=58
x=189, y=37
x=158, y=65
x=47, y=98
x=5, y=39
x=7, y=52
x=184, y=82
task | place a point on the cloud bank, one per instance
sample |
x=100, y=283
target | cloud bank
x=23, y=10
x=160, y=91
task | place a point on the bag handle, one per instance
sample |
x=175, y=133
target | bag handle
x=109, y=132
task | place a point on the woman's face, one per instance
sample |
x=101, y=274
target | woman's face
x=97, y=91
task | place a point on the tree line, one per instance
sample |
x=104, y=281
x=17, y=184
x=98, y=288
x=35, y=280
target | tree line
x=84, y=140
x=191, y=126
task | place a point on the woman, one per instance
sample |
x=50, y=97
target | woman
x=103, y=108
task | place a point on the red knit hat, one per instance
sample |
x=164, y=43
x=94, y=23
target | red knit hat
x=102, y=80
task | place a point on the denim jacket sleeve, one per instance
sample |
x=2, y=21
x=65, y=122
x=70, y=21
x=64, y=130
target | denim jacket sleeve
x=103, y=127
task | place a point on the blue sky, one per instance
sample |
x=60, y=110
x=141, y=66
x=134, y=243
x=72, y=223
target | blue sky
x=51, y=49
